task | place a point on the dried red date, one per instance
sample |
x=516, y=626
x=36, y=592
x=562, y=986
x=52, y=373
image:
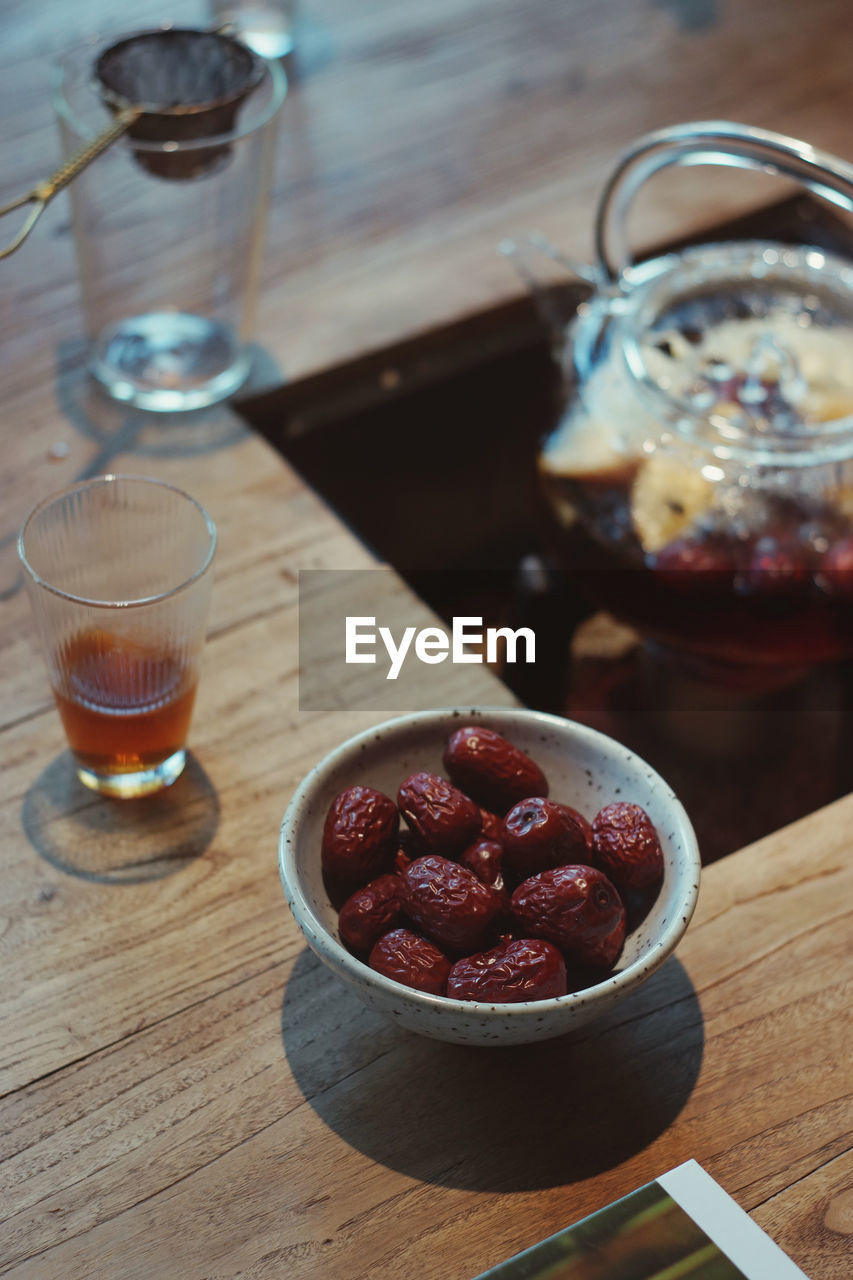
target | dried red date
x=441, y=819
x=777, y=566
x=576, y=908
x=412, y=960
x=526, y=969
x=686, y=565
x=539, y=833
x=485, y=859
x=491, y=825
x=626, y=846
x=491, y=769
x=449, y=903
x=584, y=824
x=836, y=569
x=370, y=912
x=359, y=835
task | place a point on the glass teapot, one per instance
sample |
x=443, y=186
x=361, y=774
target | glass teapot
x=700, y=478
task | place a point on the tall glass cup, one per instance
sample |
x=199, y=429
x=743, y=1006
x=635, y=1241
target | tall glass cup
x=119, y=574
x=168, y=237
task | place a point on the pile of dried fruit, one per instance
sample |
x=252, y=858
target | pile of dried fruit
x=492, y=892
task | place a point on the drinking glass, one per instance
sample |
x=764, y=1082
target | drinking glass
x=168, y=237
x=118, y=571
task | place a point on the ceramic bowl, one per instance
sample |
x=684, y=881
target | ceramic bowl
x=585, y=769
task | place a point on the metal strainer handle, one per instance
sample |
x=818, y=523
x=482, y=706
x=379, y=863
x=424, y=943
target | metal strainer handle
x=44, y=191
x=710, y=142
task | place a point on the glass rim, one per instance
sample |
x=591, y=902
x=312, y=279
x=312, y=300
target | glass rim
x=100, y=481
x=87, y=132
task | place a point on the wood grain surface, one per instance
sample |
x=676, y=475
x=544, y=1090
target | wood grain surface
x=184, y=1091
x=268, y=1125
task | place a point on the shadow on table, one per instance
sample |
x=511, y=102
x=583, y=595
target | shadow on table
x=512, y=1119
x=119, y=841
x=118, y=429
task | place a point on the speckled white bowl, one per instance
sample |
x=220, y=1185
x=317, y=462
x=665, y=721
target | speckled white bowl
x=584, y=768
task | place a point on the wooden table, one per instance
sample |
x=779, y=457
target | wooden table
x=185, y=1092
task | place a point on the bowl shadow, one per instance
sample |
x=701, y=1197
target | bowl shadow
x=112, y=841
x=519, y=1118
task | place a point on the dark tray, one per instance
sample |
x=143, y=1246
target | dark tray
x=426, y=450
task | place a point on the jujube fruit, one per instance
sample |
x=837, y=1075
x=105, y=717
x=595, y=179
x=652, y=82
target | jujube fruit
x=492, y=770
x=485, y=859
x=513, y=971
x=371, y=911
x=359, y=835
x=836, y=568
x=578, y=909
x=412, y=960
x=778, y=565
x=686, y=565
x=441, y=819
x=491, y=825
x=626, y=846
x=539, y=833
x=449, y=903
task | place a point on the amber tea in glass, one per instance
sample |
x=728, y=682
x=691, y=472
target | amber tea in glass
x=127, y=708
x=119, y=573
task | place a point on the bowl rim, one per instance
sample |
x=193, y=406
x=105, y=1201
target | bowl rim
x=351, y=969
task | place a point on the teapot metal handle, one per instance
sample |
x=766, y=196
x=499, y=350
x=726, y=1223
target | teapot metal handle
x=710, y=142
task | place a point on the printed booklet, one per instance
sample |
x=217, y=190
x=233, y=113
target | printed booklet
x=683, y=1226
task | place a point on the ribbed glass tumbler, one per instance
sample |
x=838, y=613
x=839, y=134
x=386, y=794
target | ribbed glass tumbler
x=119, y=573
